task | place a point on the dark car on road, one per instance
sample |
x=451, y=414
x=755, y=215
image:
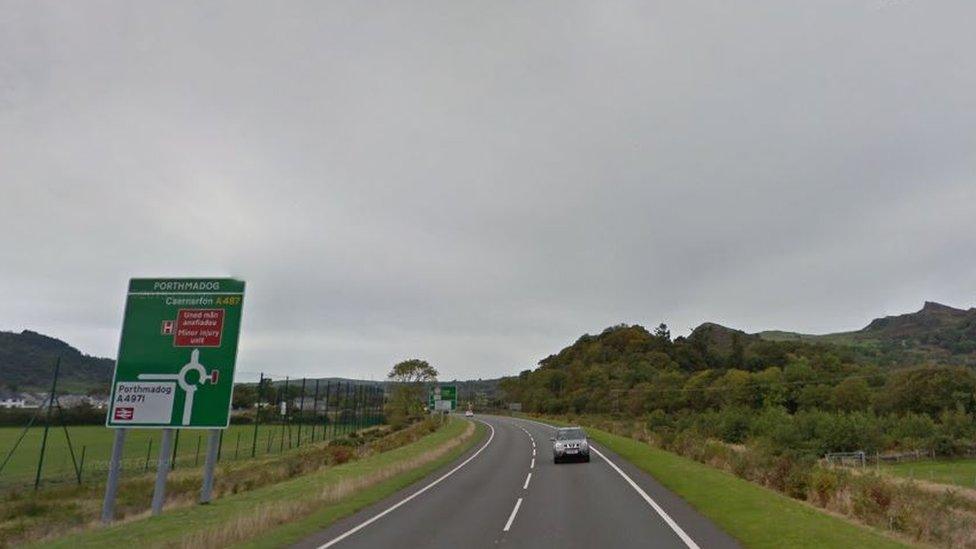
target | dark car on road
x=570, y=444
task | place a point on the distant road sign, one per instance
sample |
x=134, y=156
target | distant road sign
x=442, y=405
x=177, y=354
x=443, y=393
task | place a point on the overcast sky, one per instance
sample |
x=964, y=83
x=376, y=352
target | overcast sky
x=479, y=183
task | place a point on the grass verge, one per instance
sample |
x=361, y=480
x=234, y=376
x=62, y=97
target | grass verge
x=56, y=510
x=756, y=516
x=292, y=508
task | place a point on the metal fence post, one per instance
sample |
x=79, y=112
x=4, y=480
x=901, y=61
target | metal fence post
x=257, y=417
x=315, y=409
x=176, y=448
x=301, y=413
x=81, y=466
x=47, y=423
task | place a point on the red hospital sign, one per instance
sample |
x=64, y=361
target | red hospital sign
x=199, y=328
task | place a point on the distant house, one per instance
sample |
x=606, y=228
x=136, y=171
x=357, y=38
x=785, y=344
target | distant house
x=308, y=405
x=12, y=400
x=71, y=401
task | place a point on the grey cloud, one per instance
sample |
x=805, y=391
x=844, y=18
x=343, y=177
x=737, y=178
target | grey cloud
x=479, y=183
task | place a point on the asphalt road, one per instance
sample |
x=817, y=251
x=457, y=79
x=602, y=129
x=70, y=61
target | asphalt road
x=487, y=499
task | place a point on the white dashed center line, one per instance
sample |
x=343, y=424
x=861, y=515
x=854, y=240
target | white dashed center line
x=511, y=517
x=527, y=479
x=532, y=465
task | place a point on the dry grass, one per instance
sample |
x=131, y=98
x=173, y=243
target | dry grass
x=51, y=513
x=271, y=514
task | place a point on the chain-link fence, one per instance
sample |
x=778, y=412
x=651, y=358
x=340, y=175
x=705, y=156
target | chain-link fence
x=272, y=416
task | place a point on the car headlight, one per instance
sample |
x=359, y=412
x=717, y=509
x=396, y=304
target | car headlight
x=558, y=446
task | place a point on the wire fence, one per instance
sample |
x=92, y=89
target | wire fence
x=283, y=415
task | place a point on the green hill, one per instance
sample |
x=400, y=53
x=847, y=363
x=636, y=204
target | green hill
x=27, y=363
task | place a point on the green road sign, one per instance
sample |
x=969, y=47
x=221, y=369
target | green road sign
x=442, y=397
x=176, y=359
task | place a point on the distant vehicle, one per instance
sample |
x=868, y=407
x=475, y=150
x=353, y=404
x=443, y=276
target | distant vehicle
x=570, y=444
x=469, y=413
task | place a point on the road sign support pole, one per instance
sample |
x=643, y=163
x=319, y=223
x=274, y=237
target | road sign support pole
x=162, y=470
x=213, y=440
x=114, y=471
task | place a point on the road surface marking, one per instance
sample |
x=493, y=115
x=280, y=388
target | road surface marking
x=511, y=517
x=413, y=495
x=527, y=479
x=533, y=452
x=667, y=518
x=532, y=465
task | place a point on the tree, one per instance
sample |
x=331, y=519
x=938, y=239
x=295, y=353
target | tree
x=407, y=398
x=245, y=396
x=737, y=357
x=851, y=394
x=663, y=332
x=413, y=371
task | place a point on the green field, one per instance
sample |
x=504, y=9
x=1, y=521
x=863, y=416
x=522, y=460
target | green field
x=96, y=442
x=961, y=472
x=175, y=524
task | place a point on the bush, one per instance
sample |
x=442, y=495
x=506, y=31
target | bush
x=340, y=454
x=872, y=498
x=824, y=483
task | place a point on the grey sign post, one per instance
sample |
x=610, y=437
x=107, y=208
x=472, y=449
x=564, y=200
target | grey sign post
x=213, y=443
x=162, y=470
x=114, y=470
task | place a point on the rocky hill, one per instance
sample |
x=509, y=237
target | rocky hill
x=936, y=332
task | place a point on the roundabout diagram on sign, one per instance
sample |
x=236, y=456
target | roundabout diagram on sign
x=182, y=379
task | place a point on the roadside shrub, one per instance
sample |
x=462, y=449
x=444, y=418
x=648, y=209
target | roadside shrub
x=824, y=483
x=871, y=499
x=658, y=420
x=344, y=441
x=797, y=482
x=340, y=454
x=735, y=424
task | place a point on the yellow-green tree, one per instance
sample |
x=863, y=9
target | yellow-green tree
x=407, y=398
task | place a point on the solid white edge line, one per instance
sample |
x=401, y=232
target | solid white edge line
x=527, y=479
x=657, y=508
x=511, y=518
x=664, y=515
x=390, y=509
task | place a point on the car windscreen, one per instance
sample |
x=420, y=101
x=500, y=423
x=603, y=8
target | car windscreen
x=570, y=434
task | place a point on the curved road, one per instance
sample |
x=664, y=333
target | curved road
x=488, y=499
